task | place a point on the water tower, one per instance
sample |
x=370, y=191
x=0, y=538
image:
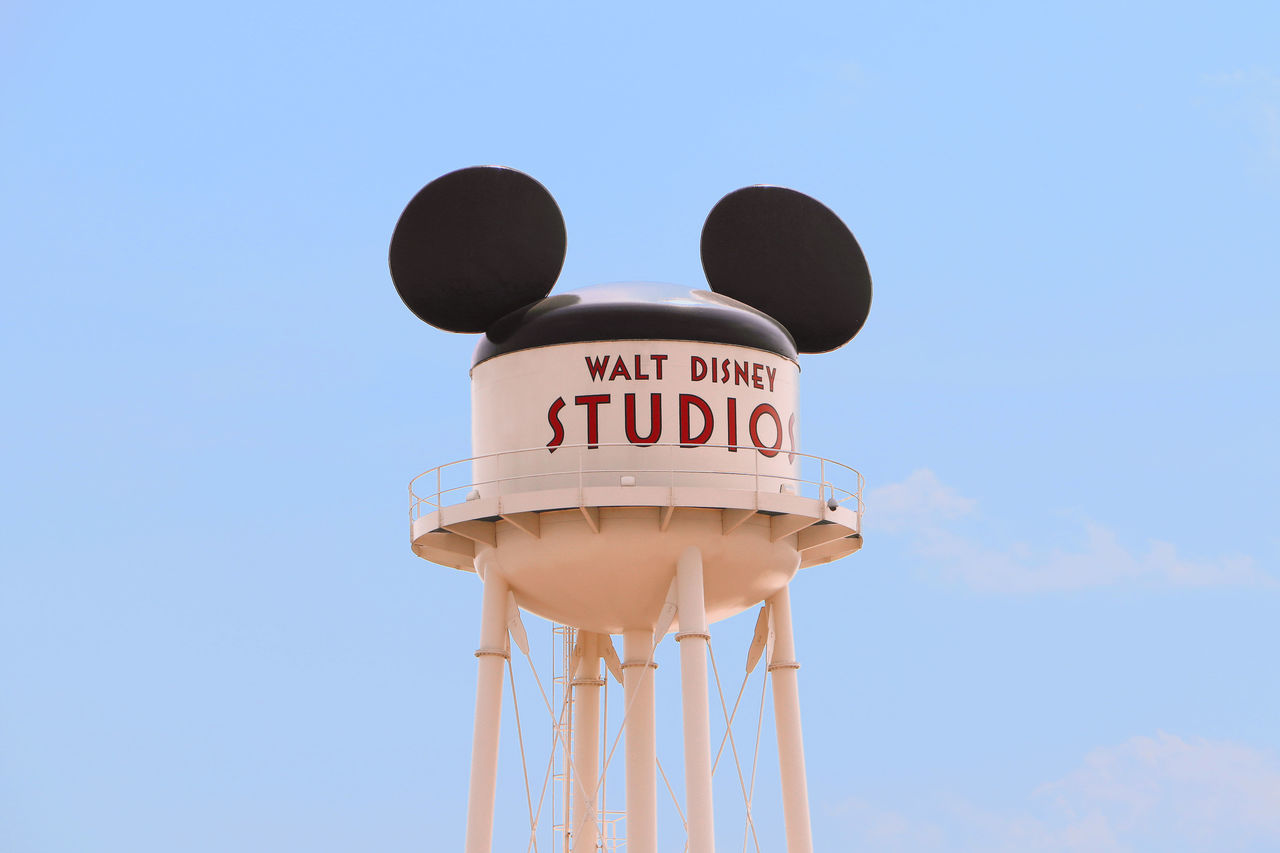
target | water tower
x=636, y=466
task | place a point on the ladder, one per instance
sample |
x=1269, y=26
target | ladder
x=562, y=640
x=612, y=839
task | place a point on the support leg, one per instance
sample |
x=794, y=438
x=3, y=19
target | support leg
x=491, y=656
x=693, y=638
x=586, y=742
x=642, y=750
x=786, y=715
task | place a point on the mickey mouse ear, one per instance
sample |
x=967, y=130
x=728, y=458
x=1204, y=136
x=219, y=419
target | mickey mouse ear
x=789, y=256
x=476, y=244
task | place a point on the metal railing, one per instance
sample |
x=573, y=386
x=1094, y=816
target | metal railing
x=582, y=469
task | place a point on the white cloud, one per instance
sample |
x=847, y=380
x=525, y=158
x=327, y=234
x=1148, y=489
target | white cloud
x=886, y=830
x=1207, y=792
x=1148, y=793
x=919, y=499
x=937, y=518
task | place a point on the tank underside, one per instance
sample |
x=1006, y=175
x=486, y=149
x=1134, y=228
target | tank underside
x=603, y=558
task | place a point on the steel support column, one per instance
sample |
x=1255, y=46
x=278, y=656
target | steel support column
x=491, y=659
x=786, y=715
x=586, y=741
x=642, y=751
x=693, y=639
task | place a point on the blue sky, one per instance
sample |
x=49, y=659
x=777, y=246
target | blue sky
x=1061, y=634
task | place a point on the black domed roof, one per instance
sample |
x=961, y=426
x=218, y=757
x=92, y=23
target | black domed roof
x=635, y=311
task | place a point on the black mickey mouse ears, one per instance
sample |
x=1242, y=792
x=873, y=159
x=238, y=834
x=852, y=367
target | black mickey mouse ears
x=476, y=244
x=787, y=255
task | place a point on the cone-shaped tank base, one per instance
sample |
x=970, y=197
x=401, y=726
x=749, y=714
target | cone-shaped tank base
x=616, y=578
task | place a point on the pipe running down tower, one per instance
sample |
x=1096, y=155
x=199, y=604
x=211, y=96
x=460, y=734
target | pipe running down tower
x=636, y=467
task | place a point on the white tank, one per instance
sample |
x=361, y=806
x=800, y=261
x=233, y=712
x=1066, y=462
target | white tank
x=598, y=462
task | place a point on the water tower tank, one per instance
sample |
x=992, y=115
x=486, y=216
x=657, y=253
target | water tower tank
x=636, y=464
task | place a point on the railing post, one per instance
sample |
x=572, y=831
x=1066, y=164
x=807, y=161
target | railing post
x=860, y=484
